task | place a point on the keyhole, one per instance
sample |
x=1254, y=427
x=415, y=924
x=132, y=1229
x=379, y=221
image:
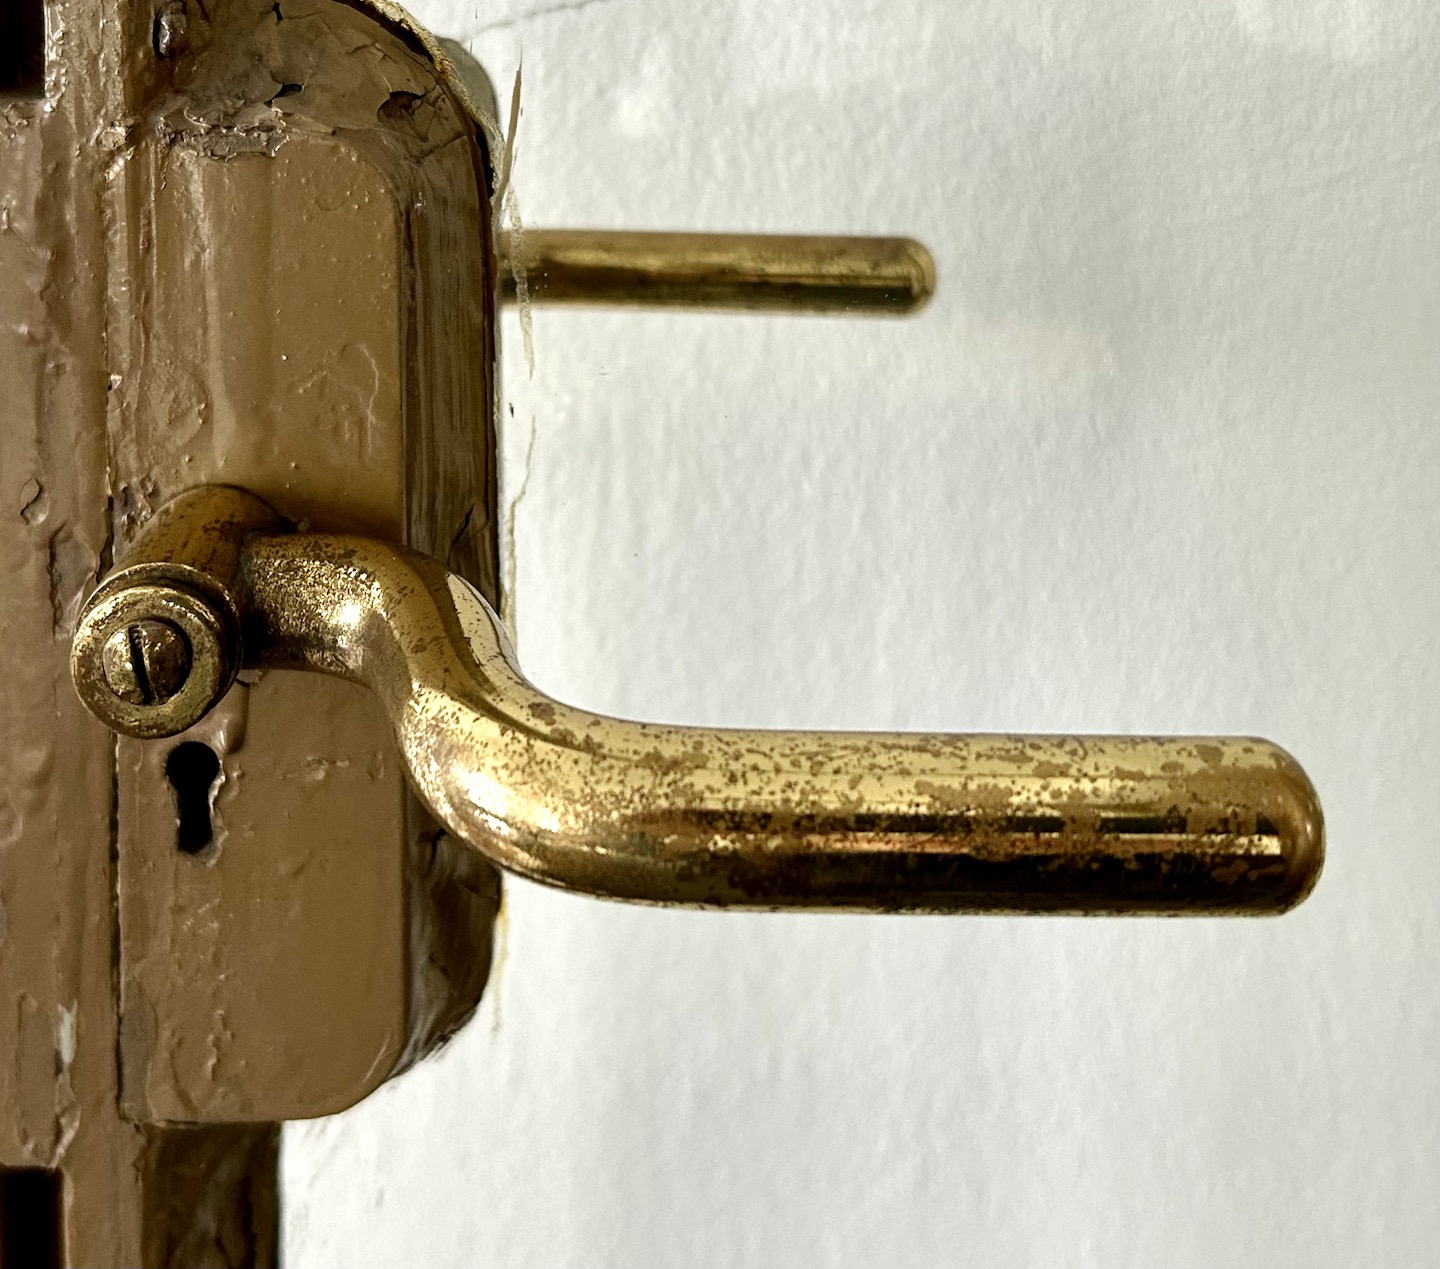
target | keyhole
x=192, y=769
x=22, y=48
x=30, y=1225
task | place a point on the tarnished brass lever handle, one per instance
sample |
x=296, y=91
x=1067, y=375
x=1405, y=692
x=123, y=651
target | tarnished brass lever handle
x=687, y=815
x=755, y=272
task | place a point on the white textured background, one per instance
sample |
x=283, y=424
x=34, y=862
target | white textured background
x=1162, y=455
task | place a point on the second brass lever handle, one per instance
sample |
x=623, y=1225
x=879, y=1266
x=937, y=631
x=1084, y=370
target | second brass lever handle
x=686, y=815
x=755, y=272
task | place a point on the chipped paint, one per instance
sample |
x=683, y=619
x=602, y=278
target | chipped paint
x=132, y=368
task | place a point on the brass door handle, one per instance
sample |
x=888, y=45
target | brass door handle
x=260, y=245
x=751, y=272
x=685, y=815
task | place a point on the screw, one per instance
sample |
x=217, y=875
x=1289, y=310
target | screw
x=146, y=663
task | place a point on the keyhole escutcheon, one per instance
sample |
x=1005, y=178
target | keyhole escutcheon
x=193, y=769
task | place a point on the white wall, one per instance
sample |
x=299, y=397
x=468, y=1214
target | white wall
x=1161, y=456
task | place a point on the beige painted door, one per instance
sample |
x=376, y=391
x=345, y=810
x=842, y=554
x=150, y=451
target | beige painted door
x=249, y=246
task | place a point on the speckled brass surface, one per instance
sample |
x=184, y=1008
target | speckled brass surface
x=767, y=819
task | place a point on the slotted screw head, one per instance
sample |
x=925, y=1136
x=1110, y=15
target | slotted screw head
x=146, y=663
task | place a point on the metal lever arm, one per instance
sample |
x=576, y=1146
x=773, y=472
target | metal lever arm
x=758, y=819
x=757, y=272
